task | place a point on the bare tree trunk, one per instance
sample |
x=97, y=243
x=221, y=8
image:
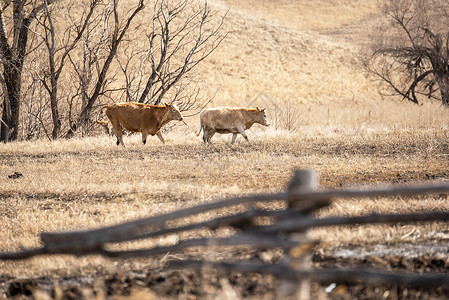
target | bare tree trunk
x=11, y=109
x=53, y=89
x=13, y=55
x=443, y=83
x=12, y=75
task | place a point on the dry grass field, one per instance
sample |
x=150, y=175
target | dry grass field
x=295, y=58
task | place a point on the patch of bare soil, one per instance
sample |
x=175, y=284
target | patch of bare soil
x=173, y=284
x=186, y=284
x=405, y=258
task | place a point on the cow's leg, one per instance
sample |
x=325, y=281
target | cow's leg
x=234, y=136
x=144, y=137
x=118, y=133
x=159, y=135
x=243, y=133
x=210, y=135
x=207, y=135
x=120, y=139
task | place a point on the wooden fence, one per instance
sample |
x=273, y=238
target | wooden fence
x=281, y=228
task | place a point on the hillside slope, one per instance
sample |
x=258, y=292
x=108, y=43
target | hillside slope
x=290, y=51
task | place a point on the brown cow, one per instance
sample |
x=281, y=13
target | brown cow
x=230, y=120
x=138, y=117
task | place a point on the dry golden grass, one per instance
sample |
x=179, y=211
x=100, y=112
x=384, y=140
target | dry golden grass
x=267, y=54
x=307, y=15
x=90, y=182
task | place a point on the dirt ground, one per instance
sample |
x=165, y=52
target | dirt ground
x=186, y=284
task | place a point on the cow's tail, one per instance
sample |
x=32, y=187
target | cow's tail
x=199, y=131
x=104, y=107
x=101, y=114
x=102, y=119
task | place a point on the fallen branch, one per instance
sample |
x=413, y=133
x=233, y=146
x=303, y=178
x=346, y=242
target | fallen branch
x=305, y=222
x=122, y=232
x=130, y=230
x=255, y=241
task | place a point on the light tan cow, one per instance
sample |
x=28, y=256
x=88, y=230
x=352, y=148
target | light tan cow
x=230, y=120
x=138, y=117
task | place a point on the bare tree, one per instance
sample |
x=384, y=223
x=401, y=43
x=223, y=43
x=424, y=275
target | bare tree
x=107, y=49
x=412, y=55
x=183, y=34
x=13, y=50
x=115, y=39
x=57, y=56
x=86, y=62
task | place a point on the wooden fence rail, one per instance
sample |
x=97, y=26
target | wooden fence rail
x=253, y=227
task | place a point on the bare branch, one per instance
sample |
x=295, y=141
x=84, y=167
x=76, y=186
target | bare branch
x=184, y=42
x=416, y=60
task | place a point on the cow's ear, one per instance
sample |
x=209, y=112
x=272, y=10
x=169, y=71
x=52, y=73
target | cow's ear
x=165, y=104
x=262, y=109
x=257, y=108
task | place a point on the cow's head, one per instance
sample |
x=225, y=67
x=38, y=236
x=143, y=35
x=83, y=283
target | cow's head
x=174, y=110
x=261, y=117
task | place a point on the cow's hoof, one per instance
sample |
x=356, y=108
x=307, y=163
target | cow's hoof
x=144, y=142
x=118, y=143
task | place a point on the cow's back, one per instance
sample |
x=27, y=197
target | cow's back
x=221, y=119
x=132, y=116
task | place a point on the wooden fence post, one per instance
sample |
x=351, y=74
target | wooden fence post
x=299, y=258
x=303, y=181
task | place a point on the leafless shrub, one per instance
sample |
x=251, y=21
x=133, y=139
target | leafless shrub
x=411, y=55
